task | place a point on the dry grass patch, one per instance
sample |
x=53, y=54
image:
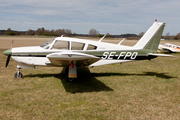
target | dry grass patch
x=134, y=90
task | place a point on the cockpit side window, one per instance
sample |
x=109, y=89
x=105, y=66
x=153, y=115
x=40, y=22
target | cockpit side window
x=91, y=47
x=77, y=46
x=61, y=45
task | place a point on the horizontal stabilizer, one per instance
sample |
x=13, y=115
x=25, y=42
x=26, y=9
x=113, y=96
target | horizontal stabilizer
x=160, y=55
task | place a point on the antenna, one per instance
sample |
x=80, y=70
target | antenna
x=102, y=38
x=121, y=41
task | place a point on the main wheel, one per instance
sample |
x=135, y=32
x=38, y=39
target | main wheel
x=66, y=73
x=18, y=75
x=70, y=79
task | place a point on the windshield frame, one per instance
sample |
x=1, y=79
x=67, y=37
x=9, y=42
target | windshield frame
x=47, y=44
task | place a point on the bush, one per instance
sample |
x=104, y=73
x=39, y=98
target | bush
x=175, y=37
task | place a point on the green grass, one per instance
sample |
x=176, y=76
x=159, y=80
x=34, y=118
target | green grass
x=134, y=90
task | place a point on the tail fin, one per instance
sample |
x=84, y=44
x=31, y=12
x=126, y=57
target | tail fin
x=151, y=38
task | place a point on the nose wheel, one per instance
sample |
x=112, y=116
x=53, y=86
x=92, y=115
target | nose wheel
x=18, y=74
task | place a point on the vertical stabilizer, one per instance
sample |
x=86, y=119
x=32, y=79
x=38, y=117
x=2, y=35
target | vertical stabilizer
x=152, y=37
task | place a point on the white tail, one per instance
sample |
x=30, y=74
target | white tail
x=151, y=38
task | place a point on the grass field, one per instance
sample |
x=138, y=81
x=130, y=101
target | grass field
x=134, y=90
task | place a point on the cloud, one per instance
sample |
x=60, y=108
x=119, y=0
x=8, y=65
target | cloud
x=80, y=15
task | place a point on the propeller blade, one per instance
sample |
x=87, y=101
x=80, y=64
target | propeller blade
x=8, y=59
x=8, y=53
x=12, y=43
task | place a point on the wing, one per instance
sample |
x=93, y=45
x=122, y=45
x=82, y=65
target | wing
x=167, y=49
x=64, y=59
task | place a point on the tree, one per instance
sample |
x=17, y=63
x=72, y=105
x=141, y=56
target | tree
x=10, y=32
x=108, y=35
x=47, y=33
x=99, y=35
x=68, y=32
x=175, y=37
x=30, y=32
x=168, y=36
x=178, y=35
x=93, y=32
x=60, y=32
x=40, y=31
x=141, y=34
x=53, y=33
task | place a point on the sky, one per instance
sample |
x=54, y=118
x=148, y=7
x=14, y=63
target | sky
x=107, y=16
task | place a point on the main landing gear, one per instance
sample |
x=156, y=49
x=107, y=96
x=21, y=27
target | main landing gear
x=71, y=73
x=18, y=74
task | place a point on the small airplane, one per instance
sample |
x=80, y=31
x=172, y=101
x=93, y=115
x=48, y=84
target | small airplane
x=167, y=47
x=72, y=52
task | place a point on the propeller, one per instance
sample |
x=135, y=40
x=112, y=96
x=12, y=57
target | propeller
x=8, y=59
x=12, y=43
x=8, y=53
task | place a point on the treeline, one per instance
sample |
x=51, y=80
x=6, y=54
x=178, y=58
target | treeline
x=68, y=32
x=65, y=32
x=172, y=37
x=166, y=37
x=11, y=32
x=43, y=32
x=38, y=32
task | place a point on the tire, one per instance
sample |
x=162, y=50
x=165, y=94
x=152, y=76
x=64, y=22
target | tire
x=18, y=75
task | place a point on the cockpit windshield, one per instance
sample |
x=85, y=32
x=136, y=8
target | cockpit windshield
x=47, y=44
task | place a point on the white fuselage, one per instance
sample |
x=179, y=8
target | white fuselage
x=37, y=56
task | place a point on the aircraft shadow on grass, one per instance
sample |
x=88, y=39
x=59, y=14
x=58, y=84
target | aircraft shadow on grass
x=87, y=82
x=160, y=75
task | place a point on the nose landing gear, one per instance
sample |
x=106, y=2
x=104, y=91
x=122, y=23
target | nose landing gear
x=18, y=74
